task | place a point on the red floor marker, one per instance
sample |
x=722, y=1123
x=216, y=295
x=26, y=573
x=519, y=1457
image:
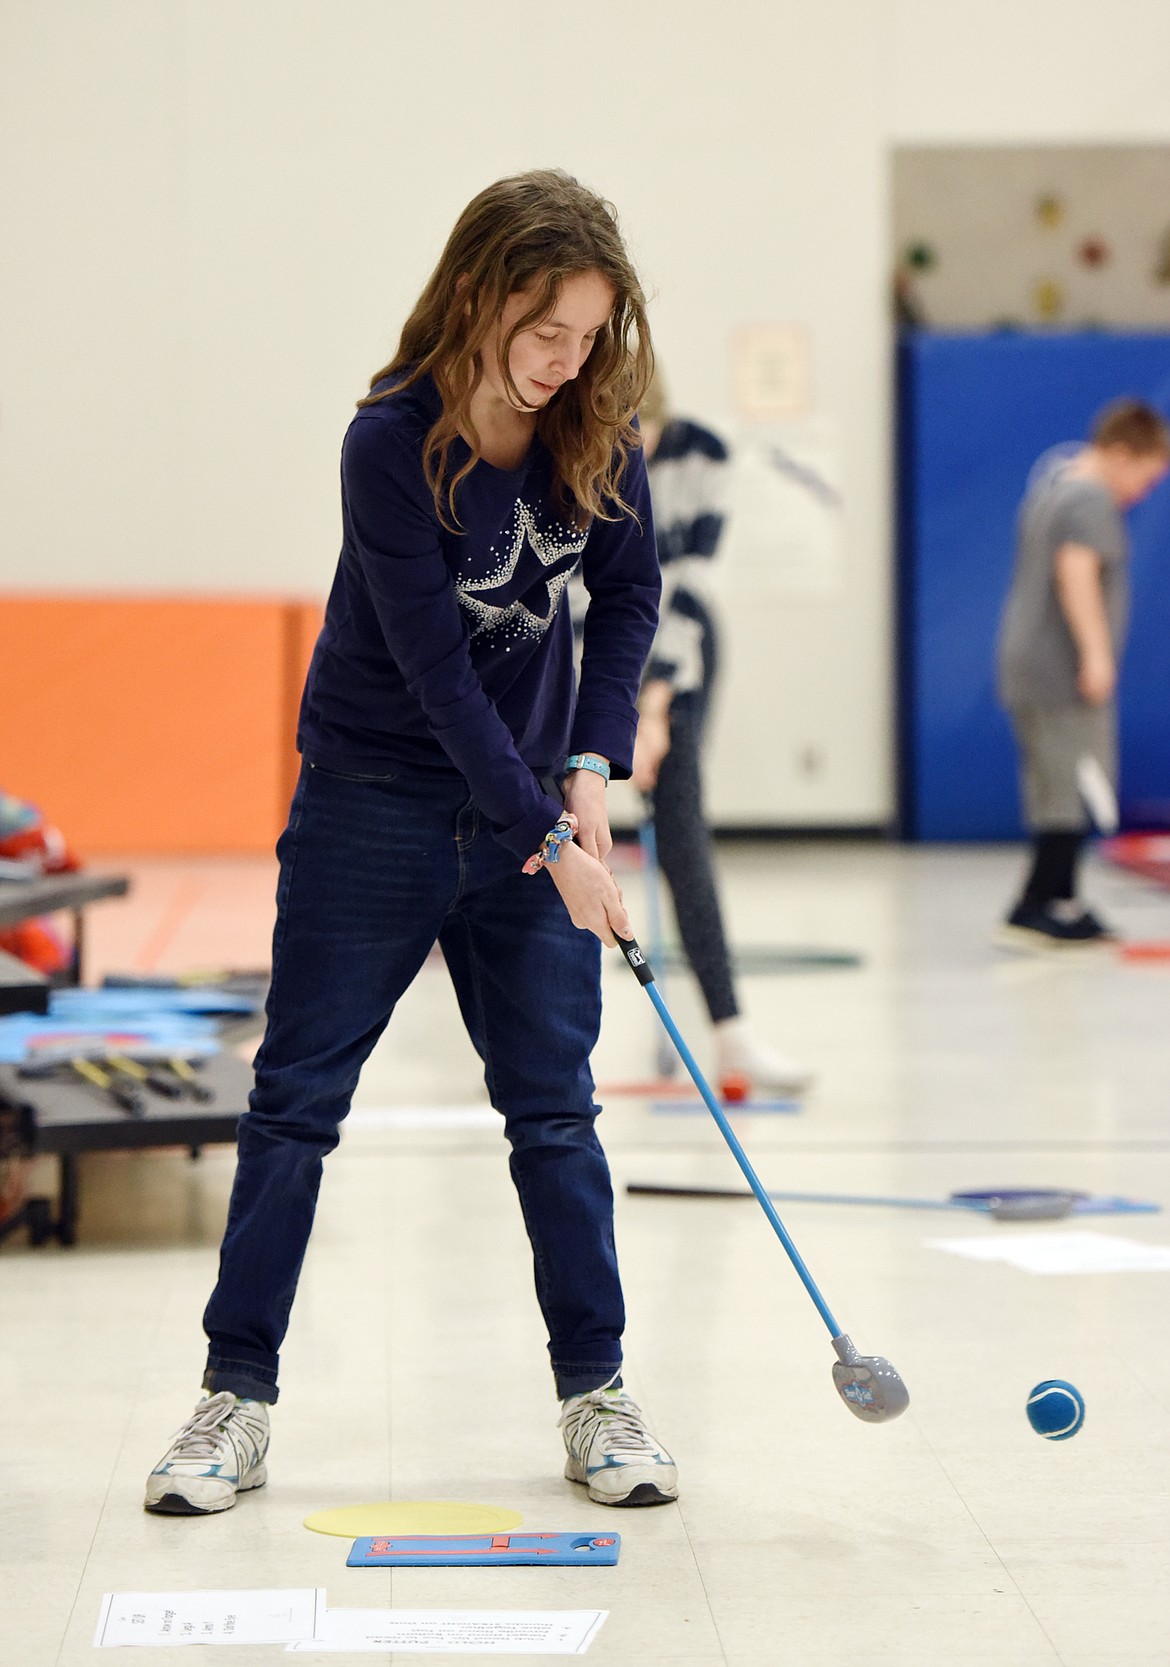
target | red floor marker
x=1155, y=950
x=657, y=1088
x=1144, y=854
x=735, y=1087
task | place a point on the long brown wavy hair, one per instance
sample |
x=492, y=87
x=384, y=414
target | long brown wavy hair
x=531, y=231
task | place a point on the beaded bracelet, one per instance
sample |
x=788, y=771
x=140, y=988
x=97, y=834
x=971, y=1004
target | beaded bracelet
x=550, y=845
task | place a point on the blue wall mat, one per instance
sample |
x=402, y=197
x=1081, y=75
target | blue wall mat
x=975, y=412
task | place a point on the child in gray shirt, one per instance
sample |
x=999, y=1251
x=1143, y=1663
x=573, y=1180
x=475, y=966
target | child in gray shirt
x=1060, y=644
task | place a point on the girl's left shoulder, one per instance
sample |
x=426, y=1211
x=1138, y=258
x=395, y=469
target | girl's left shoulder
x=409, y=412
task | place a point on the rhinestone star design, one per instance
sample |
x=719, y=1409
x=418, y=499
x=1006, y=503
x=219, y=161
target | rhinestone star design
x=557, y=547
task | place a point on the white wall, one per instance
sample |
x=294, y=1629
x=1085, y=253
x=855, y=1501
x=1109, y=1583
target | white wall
x=1025, y=70
x=214, y=214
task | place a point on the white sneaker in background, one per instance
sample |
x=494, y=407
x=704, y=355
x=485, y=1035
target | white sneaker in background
x=739, y=1053
x=218, y=1454
x=612, y=1452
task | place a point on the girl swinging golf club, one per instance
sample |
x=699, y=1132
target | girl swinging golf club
x=452, y=790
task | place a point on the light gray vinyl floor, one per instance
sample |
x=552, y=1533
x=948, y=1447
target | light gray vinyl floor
x=415, y=1366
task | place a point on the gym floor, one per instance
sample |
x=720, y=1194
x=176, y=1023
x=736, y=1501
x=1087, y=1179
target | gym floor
x=415, y=1366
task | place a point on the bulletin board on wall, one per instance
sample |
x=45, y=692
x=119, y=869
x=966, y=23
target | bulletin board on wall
x=1032, y=236
x=975, y=413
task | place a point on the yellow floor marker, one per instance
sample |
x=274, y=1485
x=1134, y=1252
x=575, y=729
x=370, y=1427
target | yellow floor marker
x=413, y=1516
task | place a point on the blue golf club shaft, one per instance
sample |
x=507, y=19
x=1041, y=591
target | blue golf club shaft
x=641, y=968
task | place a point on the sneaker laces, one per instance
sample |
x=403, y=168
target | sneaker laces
x=618, y=1420
x=201, y=1435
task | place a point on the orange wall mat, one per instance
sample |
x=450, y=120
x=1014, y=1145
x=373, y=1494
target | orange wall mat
x=302, y=623
x=152, y=723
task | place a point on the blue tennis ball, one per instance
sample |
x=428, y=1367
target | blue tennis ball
x=1056, y=1409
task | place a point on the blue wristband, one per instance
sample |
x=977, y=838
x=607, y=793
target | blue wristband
x=587, y=761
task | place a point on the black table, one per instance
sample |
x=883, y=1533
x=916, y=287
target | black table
x=26, y=899
x=64, y=1119
x=22, y=988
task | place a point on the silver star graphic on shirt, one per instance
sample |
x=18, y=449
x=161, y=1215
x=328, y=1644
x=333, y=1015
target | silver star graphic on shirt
x=487, y=618
x=549, y=547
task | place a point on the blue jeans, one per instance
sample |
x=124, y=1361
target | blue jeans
x=372, y=872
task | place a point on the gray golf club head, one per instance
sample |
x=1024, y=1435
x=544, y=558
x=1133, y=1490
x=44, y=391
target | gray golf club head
x=1038, y=1207
x=868, y=1384
x=1020, y=1204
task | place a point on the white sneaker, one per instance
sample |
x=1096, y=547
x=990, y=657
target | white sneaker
x=613, y=1453
x=739, y=1053
x=218, y=1454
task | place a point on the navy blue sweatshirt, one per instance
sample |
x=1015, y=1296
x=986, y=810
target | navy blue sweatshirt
x=453, y=651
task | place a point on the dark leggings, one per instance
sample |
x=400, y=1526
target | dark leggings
x=1053, y=878
x=686, y=858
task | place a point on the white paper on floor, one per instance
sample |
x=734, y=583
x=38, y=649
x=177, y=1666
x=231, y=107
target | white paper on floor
x=247, y=1617
x=1083, y=1252
x=459, y=1631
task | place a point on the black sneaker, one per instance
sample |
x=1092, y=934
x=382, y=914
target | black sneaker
x=1049, y=925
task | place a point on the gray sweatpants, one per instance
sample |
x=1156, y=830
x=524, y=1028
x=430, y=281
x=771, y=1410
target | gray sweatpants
x=1068, y=767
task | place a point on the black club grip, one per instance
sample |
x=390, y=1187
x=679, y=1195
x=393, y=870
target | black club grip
x=638, y=963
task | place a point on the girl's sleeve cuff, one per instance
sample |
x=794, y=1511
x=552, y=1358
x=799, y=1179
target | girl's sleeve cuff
x=610, y=735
